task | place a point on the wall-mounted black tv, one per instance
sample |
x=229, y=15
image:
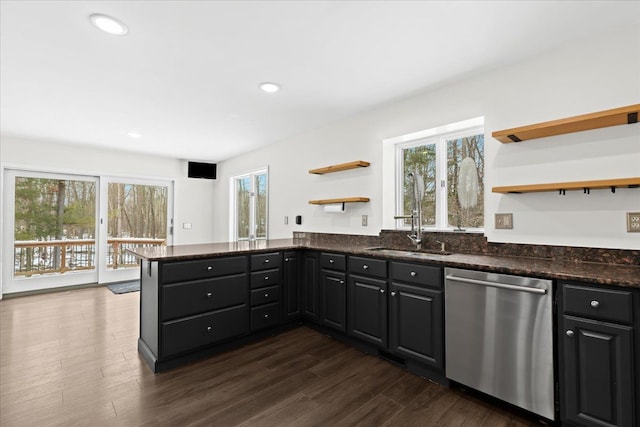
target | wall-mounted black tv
x=202, y=170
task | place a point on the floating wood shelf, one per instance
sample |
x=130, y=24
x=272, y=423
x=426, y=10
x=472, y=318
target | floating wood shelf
x=601, y=119
x=340, y=167
x=567, y=186
x=340, y=200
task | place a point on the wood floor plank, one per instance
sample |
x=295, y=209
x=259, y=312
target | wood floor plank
x=70, y=359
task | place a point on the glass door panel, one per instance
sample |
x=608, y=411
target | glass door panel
x=136, y=216
x=51, y=219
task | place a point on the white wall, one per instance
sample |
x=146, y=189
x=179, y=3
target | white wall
x=193, y=197
x=591, y=75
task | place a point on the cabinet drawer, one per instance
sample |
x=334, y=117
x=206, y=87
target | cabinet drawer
x=265, y=316
x=265, y=261
x=182, y=271
x=368, y=267
x=265, y=295
x=184, y=299
x=333, y=261
x=417, y=273
x=595, y=303
x=190, y=333
x=260, y=279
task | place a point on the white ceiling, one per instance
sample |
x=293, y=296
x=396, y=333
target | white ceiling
x=186, y=75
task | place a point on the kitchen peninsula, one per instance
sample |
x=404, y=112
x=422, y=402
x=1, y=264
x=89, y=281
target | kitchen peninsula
x=199, y=300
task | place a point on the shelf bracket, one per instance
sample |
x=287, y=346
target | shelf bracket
x=562, y=192
x=613, y=189
x=587, y=191
x=514, y=138
x=632, y=118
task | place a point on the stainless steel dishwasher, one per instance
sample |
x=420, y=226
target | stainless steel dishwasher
x=499, y=337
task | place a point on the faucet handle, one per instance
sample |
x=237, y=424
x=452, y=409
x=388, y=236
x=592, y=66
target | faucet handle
x=442, y=245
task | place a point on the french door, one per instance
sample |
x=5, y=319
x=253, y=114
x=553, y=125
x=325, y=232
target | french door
x=62, y=229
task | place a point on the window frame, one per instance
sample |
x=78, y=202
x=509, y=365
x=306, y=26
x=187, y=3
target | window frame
x=439, y=137
x=233, y=207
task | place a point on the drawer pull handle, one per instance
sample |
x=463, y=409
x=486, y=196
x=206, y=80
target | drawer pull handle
x=595, y=304
x=381, y=291
x=393, y=293
x=266, y=316
x=366, y=267
x=209, y=328
x=266, y=277
x=266, y=295
x=331, y=261
x=266, y=261
x=209, y=268
x=570, y=333
x=209, y=294
x=286, y=260
x=341, y=282
x=414, y=274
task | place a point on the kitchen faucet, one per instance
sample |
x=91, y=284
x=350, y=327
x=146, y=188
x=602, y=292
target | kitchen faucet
x=416, y=211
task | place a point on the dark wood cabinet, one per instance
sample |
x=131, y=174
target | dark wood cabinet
x=311, y=287
x=368, y=309
x=416, y=313
x=333, y=291
x=291, y=269
x=416, y=326
x=333, y=300
x=266, y=290
x=367, y=291
x=598, y=366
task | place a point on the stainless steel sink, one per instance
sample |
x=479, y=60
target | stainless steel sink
x=408, y=252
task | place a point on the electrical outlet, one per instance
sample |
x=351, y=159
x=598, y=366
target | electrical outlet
x=286, y=220
x=504, y=221
x=633, y=222
x=365, y=220
x=186, y=225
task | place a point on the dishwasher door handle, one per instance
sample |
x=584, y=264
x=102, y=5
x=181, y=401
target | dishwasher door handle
x=498, y=285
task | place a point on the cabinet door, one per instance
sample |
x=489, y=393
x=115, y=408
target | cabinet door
x=416, y=327
x=291, y=293
x=311, y=290
x=334, y=294
x=368, y=309
x=598, y=373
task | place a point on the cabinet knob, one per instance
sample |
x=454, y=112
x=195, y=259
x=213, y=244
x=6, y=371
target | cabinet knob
x=209, y=294
x=266, y=261
x=393, y=293
x=414, y=274
x=209, y=328
x=341, y=282
x=381, y=291
x=266, y=316
x=209, y=268
x=331, y=261
x=286, y=260
x=266, y=295
x=570, y=333
x=266, y=277
x=595, y=304
x=366, y=267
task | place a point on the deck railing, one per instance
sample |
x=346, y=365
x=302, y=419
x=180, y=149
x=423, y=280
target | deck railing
x=33, y=257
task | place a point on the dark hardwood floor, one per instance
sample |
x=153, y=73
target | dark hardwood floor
x=70, y=358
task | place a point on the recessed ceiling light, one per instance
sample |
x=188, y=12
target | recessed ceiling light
x=108, y=24
x=269, y=87
x=134, y=135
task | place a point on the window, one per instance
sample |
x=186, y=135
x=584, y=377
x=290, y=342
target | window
x=447, y=167
x=249, y=204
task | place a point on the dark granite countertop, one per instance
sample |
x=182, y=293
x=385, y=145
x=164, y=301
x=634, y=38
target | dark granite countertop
x=605, y=274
